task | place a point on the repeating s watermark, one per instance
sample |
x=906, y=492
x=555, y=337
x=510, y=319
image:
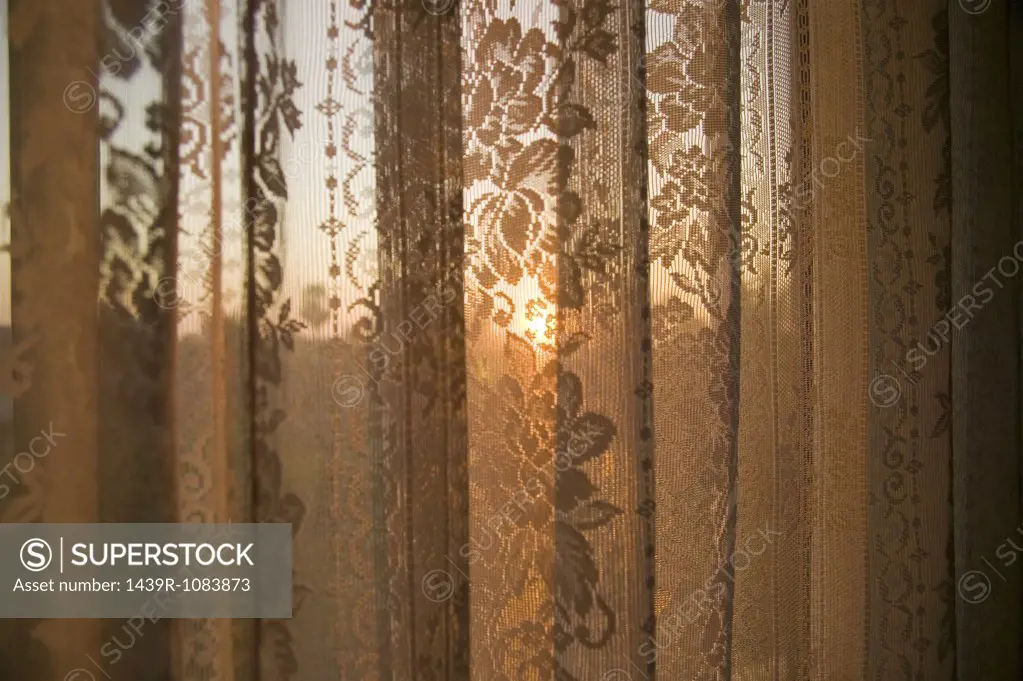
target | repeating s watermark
x=829, y=167
x=438, y=7
x=80, y=96
x=669, y=629
x=671, y=625
x=975, y=586
x=349, y=390
x=114, y=648
x=79, y=675
x=193, y=267
x=24, y=462
x=440, y=584
x=617, y=675
x=36, y=555
x=975, y=6
x=886, y=389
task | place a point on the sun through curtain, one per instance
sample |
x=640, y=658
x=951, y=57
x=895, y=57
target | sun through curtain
x=579, y=340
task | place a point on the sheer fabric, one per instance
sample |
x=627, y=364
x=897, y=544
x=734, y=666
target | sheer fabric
x=577, y=340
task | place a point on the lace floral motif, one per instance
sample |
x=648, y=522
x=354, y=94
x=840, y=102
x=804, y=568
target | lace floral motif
x=276, y=327
x=525, y=228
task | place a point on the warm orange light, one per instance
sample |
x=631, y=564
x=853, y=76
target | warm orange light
x=538, y=322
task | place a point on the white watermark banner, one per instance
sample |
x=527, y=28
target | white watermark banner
x=188, y=570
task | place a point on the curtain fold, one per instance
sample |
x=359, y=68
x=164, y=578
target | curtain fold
x=53, y=181
x=985, y=363
x=576, y=340
x=909, y=292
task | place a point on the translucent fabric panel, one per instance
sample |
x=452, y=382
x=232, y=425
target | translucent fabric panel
x=576, y=340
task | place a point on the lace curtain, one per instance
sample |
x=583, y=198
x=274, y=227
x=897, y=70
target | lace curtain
x=578, y=340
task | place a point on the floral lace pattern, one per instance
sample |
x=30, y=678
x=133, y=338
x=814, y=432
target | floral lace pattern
x=552, y=328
